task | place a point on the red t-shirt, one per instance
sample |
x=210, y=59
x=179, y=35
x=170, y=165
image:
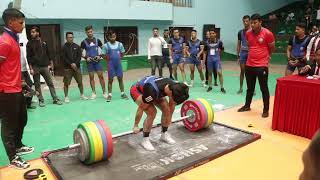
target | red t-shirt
x=10, y=67
x=259, y=52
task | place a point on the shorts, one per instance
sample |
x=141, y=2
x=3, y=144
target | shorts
x=178, y=59
x=194, y=60
x=243, y=57
x=135, y=92
x=94, y=66
x=292, y=68
x=69, y=73
x=114, y=69
x=166, y=60
x=213, y=65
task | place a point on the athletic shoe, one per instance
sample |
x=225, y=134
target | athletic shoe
x=146, y=144
x=265, y=114
x=165, y=137
x=124, y=96
x=83, y=97
x=66, y=100
x=93, y=96
x=109, y=98
x=215, y=84
x=41, y=104
x=244, y=108
x=57, y=102
x=18, y=163
x=204, y=84
x=136, y=129
x=240, y=91
x=209, y=89
x=223, y=90
x=105, y=95
x=24, y=150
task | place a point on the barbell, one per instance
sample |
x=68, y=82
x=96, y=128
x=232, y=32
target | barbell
x=93, y=139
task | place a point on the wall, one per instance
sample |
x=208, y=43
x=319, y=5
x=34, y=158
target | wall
x=225, y=14
x=95, y=9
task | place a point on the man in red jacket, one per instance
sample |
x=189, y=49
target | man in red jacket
x=12, y=102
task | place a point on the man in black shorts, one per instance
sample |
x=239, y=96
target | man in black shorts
x=149, y=93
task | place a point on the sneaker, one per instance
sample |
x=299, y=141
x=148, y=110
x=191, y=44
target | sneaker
x=223, y=90
x=57, y=102
x=265, y=114
x=192, y=83
x=66, y=100
x=124, y=96
x=83, y=97
x=204, y=84
x=18, y=163
x=93, y=96
x=146, y=144
x=244, y=108
x=24, y=150
x=136, y=129
x=215, y=84
x=41, y=104
x=209, y=89
x=109, y=98
x=165, y=137
x=171, y=77
x=105, y=95
x=240, y=91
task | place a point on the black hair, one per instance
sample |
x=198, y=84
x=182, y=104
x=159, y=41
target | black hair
x=166, y=30
x=88, y=28
x=36, y=28
x=212, y=29
x=11, y=14
x=246, y=17
x=256, y=17
x=194, y=30
x=180, y=92
x=68, y=33
x=174, y=29
x=301, y=25
x=111, y=32
x=155, y=28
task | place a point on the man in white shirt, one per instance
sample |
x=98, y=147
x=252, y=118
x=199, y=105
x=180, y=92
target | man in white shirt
x=155, y=45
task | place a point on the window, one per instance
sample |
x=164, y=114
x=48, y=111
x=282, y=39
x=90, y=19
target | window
x=127, y=35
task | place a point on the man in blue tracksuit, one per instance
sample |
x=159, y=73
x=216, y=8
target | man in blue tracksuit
x=113, y=51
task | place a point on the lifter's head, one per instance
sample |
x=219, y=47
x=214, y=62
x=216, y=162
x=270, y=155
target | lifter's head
x=179, y=92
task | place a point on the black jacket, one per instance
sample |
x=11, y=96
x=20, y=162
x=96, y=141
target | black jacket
x=312, y=71
x=71, y=53
x=38, y=53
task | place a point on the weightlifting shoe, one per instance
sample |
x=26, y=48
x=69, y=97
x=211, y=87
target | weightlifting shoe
x=146, y=144
x=165, y=137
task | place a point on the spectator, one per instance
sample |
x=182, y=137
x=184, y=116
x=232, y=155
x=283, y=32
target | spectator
x=40, y=62
x=314, y=30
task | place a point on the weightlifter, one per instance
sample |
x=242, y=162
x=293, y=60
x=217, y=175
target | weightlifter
x=149, y=93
